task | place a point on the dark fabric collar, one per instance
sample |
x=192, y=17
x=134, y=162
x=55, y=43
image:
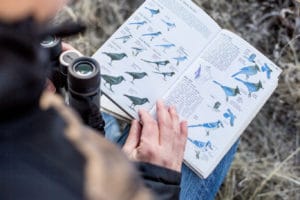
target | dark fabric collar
x=24, y=64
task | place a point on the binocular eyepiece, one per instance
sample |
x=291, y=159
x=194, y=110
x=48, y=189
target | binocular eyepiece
x=78, y=77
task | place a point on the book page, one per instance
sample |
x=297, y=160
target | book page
x=219, y=95
x=151, y=50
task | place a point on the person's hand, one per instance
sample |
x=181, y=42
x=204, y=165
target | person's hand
x=160, y=142
x=66, y=47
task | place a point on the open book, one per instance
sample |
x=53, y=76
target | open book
x=172, y=50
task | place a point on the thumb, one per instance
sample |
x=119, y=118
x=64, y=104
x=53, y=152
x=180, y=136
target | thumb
x=133, y=139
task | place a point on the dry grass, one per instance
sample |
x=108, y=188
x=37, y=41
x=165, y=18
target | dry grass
x=267, y=165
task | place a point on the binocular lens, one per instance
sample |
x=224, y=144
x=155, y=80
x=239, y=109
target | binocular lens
x=84, y=76
x=84, y=68
x=50, y=41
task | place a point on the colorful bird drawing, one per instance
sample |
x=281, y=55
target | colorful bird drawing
x=138, y=24
x=136, y=101
x=165, y=46
x=209, y=126
x=153, y=11
x=115, y=56
x=201, y=145
x=248, y=71
x=124, y=38
x=136, y=75
x=136, y=51
x=229, y=115
x=267, y=70
x=252, y=87
x=170, y=25
x=157, y=63
x=165, y=74
x=252, y=58
x=152, y=35
x=198, y=72
x=229, y=92
x=180, y=59
x=112, y=80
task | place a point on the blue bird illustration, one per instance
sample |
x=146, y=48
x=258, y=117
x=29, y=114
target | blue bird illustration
x=138, y=24
x=136, y=101
x=229, y=92
x=201, y=145
x=157, y=63
x=153, y=11
x=115, y=56
x=217, y=105
x=231, y=116
x=248, y=71
x=124, y=38
x=152, y=35
x=252, y=58
x=136, y=75
x=180, y=59
x=136, y=51
x=165, y=46
x=266, y=69
x=198, y=72
x=170, y=25
x=165, y=74
x=112, y=80
x=209, y=126
x=252, y=87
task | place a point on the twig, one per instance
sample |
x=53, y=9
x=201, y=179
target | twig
x=273, y=173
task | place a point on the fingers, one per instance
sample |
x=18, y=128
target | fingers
x=133, y=138
x=165, y=123
x=150, y=132
x=183, y=133
x=175, y=119
x=66, y=47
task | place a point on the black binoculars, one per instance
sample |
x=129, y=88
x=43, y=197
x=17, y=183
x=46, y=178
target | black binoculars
x=77, y=79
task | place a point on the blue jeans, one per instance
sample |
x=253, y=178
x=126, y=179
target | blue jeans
x=192, y=186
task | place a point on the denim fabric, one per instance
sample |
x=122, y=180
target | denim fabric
x=112, y=129
x=192, y=186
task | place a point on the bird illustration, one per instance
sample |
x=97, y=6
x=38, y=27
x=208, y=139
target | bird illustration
x=165, y=74
x=252, y=87
x=157, y=63
x=138, y=24
x=112, y=80
x=136, y=101
x=208, y=126
x=266, y=69
x=251, y=58
x=124, y=38
x=153, y=11
x=198, y=72
x=165, y=46
x=217, y=105
x=136, y=75
x=115, y=56
x=248, y=71
x=152, y=35
x=170, y=25
x=229, y=92
x=231, y=116
x=136, y=51
x=180, y=59
x=202, y=145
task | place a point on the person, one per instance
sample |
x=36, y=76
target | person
x=46, y=152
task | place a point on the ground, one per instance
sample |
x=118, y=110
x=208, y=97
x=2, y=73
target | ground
x=267, y=163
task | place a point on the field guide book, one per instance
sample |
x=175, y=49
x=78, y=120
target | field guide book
x=172, y=50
